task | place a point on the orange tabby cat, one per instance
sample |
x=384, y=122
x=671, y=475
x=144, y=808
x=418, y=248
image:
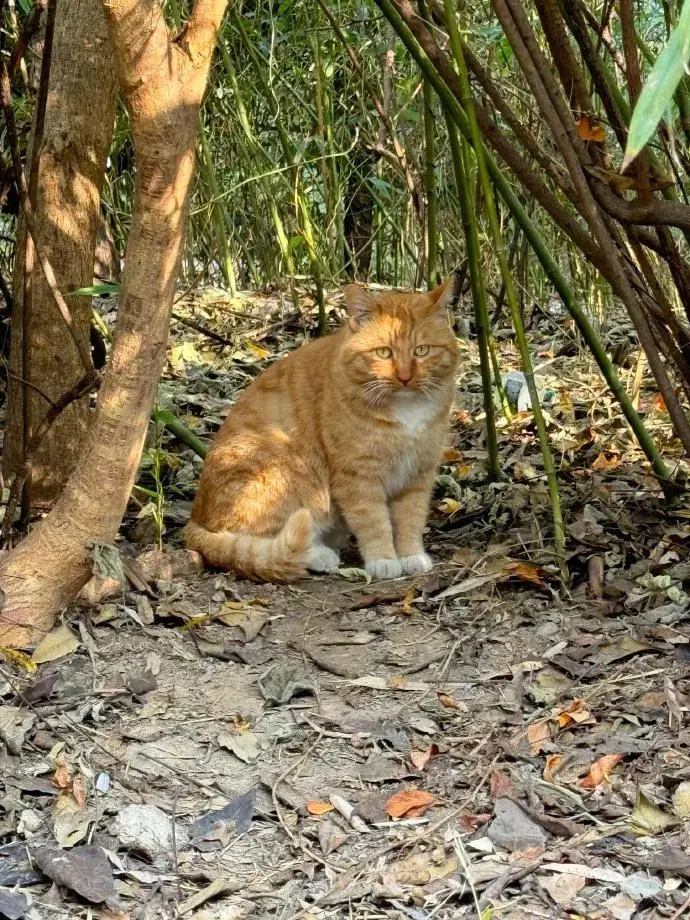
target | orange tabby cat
x=346, y=431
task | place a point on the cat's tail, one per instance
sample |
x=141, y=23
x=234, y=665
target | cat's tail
x=280, y=558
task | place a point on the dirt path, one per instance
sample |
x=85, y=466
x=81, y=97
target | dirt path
x=468, y=702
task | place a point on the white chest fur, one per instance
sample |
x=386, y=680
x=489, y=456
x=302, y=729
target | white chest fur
x=404, y=469
x=413, y=412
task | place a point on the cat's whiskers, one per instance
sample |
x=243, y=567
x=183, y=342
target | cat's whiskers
x=375, y=392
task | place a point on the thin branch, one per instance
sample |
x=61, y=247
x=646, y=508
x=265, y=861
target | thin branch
x=31, y=27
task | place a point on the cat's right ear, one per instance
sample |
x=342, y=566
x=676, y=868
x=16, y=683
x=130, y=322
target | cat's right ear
x=359, y=305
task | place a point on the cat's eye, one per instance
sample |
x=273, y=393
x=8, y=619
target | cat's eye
x=421, y=350
x=384, y=352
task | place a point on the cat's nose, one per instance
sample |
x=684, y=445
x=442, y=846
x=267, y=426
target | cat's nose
x=404, y=377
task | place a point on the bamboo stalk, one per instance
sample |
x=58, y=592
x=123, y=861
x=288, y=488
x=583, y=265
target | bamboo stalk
x=221, y=219
x=481, y=308
x=289, y=153
x=541, y=250
x=430, y=175
x=511, y=294
x=181, y=432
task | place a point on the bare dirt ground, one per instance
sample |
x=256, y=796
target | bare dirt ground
x=480, y=742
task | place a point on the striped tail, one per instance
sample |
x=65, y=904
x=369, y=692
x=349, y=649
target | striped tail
x=280, y=558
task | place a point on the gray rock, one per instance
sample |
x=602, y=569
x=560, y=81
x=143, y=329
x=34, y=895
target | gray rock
x=146, y=829
x=512, y=829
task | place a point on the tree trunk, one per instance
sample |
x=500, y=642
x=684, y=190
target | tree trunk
x=79, y=120
x=162, y=81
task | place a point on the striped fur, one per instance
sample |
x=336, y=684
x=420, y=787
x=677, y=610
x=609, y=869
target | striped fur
x=280, y=558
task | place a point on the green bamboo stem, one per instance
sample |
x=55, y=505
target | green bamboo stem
x=221, y=219
x=541, y=250
x=289, y=153
x=430, y=175
x=255, y=146
x=329, y=169
x=481, y=307
x=467, y=103
x=181, y=432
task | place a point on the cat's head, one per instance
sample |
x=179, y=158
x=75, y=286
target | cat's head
x=400, y=342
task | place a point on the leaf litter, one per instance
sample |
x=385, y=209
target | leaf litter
x=494, y=737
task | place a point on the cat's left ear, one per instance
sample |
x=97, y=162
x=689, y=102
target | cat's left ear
x=359, y=304
x=446, y=295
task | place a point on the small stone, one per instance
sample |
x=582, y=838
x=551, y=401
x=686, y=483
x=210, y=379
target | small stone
x=102, y=783
x=99, y=589
x=30, y=823
x=140, y=684
x=144, y=610
x=146, y=829
x=167, y=564
x=44, y=740
x=13, y=905
x=513, y=829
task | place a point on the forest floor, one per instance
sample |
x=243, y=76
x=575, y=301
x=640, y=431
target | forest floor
x=478, y=742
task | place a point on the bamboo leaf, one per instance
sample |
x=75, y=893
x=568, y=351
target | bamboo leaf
x=660, y=87
x=97, y=290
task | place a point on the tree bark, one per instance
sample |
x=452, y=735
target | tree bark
x=78, y=128
x=162, y=81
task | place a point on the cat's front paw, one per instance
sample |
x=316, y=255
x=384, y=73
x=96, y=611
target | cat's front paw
x=380, y=569
x=416, y=564
x=322, y=559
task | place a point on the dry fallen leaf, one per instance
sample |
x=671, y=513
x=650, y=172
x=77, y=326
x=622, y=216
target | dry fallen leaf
x=447, y=701
x=318, y=808
x=58, y=643
x=451, y=455
x=501, y=785
x=62, y=778
x=648, y=818
x=600, y=771
x=590, y=131
x=410, y=595
x=537, y=734
x=606, y=460
x=411, y=802
x=421, y=758
x=523, y=571
x=575, y=712
x=470, y=823
x=78, y=790
x=551, y=768
x=21, y=659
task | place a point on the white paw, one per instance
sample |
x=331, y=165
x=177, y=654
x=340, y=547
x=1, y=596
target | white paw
x=416, y=564
x=322, y=559
x=383, y=568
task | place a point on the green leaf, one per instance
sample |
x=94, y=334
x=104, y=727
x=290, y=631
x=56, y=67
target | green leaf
x=97, y=290
x=659, y=87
